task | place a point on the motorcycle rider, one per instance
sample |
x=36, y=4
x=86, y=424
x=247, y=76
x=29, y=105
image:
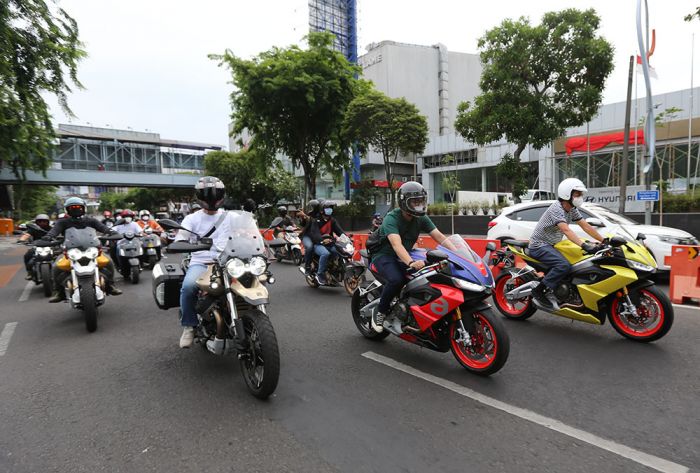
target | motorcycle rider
x=42, y=220
x=75, y=218
x=285, y=222
x=401, y=228
x=553, y=224
x=107, y=218
x=324, y=225
x=376, y=221
x=314, y=209
x=146, y=220
x=210, y=193
x=127, y=223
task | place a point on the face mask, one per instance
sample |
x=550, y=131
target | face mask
x=577, y=201
x=328, y=211
x=127, y=219
x=145, y=218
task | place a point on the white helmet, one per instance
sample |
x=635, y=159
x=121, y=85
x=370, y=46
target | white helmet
x=568, y=186
x=144, y=212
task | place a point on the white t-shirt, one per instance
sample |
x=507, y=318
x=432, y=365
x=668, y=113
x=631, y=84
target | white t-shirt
x=201, y=222
x=132, y=227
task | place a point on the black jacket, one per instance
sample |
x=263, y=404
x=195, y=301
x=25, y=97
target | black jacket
x=313, y=230
x=64, y=224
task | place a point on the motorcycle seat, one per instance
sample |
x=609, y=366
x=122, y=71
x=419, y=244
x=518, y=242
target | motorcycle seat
x=276, y=243
x=518, y=243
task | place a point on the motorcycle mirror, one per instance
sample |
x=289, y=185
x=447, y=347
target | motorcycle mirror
x=641, y=236
x=490, y=246
x=617, y=241
x=433, y=256
x=170, y=224
x=34, y=226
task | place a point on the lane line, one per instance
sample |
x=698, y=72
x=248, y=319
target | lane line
x=7, y=272
x=681, y=306
x=24, y=297
x=637, y=456
x=6, y=335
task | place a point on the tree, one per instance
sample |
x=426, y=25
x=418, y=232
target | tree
x=33, y=200
x=389, y=126
x=537, y=81
x=292, y=101
x=513, y=170
x=39, y=54
x=695, y=14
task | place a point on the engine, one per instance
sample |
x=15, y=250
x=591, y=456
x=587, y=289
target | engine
x=566, y=293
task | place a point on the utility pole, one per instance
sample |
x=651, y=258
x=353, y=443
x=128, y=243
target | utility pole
x=626, y=145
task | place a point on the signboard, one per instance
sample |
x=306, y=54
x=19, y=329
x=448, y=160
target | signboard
x=648, y=195
x=609, y=197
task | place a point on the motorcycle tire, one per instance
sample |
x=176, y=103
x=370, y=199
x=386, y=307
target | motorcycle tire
x=649, y=298
x=490, y=335
x=297, y=257
x=152, y=260
x=134, y=274
x=520, y=310
x=46, y=280
x=352, y=283
x=365, y=325
x=260, y=364
x=88, y=299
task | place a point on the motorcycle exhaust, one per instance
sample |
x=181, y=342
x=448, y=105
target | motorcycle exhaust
x=521, y=292
x=220, y=324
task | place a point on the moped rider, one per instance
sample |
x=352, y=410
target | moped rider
x=42, y=221
x=553, y=224
x=401, y=228
x=305, y=220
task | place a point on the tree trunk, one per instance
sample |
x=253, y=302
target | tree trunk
x=516, y=155
x=389, y=178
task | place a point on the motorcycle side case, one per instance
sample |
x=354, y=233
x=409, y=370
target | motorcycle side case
x=167, y=282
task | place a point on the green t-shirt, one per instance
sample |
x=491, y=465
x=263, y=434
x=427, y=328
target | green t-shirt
x=408, y=230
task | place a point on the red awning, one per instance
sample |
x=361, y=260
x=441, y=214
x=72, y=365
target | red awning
x=377, y=183
x=578, y=143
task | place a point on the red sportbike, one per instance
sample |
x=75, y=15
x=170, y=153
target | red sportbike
x=442, y=308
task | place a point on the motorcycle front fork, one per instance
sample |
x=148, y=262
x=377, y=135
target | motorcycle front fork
x=464, y=337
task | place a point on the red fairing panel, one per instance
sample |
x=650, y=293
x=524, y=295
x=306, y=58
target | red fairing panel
x=426, y=315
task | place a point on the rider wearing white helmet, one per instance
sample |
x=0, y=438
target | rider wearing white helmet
x=549, y=231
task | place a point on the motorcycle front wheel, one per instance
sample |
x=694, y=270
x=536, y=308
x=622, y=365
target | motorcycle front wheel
x=134, y=274
x=46, y=279
x=654, y=316
x=488, y=346
x=152, y=260
x=88, y=299
x=260, y=363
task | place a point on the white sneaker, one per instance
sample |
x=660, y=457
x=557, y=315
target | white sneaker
x=378, y=322
x=217, y=346
x=187, y=337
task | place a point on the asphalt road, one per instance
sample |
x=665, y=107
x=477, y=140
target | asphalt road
x=127, y=399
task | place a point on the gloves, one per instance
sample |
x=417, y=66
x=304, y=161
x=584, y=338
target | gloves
x=589, y=247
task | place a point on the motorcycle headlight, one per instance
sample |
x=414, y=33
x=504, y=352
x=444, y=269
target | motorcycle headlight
x=235, y=268
x=92, y=253
x=468, y=286
x=349, y=248
x=74, y=254
x=257, y=265
x=640, y=266
x=43, y=251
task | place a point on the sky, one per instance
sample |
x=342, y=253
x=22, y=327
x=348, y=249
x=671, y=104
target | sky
x=147, y=67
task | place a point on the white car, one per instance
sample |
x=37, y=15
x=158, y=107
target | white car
x=518, y=222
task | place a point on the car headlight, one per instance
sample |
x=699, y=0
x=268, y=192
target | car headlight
x=235, y=268
x=92, y=252
x=640, y=266
x=257, y=265
x=670, y=239
x=468, y=286
x=74, y=254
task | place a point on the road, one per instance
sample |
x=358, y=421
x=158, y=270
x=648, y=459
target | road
x=572, y=397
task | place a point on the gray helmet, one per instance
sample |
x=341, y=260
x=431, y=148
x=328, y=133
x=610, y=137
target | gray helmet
x=313, y=205
x=75, y=207
x=282, y=210
x=412, y=198
x=41, y=217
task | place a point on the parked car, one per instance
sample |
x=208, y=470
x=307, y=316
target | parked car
x=518, y=222
x=537, y=195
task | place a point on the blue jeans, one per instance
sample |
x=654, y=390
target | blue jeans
x=394, y=271
x=557, y=266
x=308, y=250
x=188, y=295
x=323, y=254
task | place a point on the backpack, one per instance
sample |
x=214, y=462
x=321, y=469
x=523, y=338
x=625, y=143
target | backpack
x=374, y=241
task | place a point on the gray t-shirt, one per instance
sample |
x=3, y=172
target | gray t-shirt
x=547, y=232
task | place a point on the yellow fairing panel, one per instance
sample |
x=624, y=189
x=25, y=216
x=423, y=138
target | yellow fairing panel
x=576, y=315
x=102, y=261
x=571, y=251
x=63, y=264
x=592, y=293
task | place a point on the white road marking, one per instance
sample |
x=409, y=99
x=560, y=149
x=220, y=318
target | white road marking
x=26, y=291
x=6, y=335
x=642, y=458
x=681, y=306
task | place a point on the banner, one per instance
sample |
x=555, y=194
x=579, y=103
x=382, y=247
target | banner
x=609, y=197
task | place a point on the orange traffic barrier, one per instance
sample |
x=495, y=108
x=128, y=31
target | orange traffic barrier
x=6, y=226
x=685, y=273
x=478, y=245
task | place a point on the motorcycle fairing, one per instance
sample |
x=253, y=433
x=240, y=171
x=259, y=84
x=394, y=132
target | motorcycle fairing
x=591, y=294
x=429, y=313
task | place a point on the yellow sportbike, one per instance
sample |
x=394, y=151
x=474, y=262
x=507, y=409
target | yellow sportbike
x=614, y=284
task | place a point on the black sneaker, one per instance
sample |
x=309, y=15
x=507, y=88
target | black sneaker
x=321, y=280
x=57, y=296
x=378, y=322
x=541, y=298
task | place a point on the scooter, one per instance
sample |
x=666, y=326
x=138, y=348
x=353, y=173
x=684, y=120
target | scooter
x=151, y=246
x=129, y=252
x=291, y=250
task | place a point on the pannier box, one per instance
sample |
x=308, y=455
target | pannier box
x=167, y=281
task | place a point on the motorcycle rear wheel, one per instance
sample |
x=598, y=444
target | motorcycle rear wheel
x=260, y=364
x=351, y=283
x=653, y=302
x=152, y=260
x=490, y=344
x=365, y=325
x=297, y=256
x=514, y=310
x=88, y=299
x=134, y=274
x=46, y=279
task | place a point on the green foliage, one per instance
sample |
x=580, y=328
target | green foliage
x=514, y=171
x=140, y=198
x=33, y=200
x=292, y=101
x=660, y=118
x=389, y=126
x=681, y=203
x=537, y=80
x=39, y=47
x=362, y=202
x=695, y=14
x=442, y=208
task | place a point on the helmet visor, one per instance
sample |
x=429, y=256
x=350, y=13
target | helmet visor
x=75, y=210
x=416, y=205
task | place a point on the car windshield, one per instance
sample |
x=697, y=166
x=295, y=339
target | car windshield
x=528, y=196
x=613, y=217
x=457, y=245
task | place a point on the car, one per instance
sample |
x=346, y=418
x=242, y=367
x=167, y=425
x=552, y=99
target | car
x=518, y=222
x=536, y=195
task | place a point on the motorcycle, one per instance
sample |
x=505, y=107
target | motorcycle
x=83, y=259
x=341, y=268
x=150, y=246
x=129, y=252
x=291, y=250
x=232, y=300
x=442, y=308
x=42, y=261
x=613, y=284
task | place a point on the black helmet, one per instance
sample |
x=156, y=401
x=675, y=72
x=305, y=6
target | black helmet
x=313, y=205
x=249, y=205
x=328, y=204
x=210, y=192
x=75, y=207
x=412, y=198
x=282, y=210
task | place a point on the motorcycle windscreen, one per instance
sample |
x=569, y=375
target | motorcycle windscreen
x=81, y=238
x=243, y=238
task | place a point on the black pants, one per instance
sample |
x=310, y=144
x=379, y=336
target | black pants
x=29, y=259
x=558, y=266
x=394, y=271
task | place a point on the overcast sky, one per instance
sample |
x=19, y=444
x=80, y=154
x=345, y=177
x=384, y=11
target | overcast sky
x=148, y=68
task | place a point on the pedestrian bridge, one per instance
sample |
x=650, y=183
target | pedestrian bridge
x=66, y=177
